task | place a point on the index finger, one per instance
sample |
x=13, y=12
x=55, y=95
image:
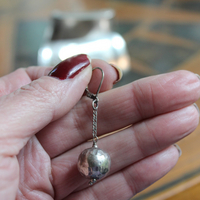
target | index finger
x=23, y=76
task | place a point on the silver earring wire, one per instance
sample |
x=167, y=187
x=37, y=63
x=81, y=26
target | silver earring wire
x=95, y=105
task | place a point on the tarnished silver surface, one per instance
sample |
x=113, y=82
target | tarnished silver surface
x=94, y=164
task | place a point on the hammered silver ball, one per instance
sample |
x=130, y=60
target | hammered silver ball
x=94, y=164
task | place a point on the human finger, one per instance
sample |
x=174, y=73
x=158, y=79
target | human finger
x=44, y=100
x=131, y=180
x=13, y=81
x=23, y=76
x=126, y=147
x=121, y=107
x=20, y=77
x=112, y=75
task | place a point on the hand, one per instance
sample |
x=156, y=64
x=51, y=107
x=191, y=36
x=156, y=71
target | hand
x=45, y=124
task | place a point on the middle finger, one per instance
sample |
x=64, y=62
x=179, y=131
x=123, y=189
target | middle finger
x=121, y=107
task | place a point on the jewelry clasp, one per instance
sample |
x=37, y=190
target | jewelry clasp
x=89, y=94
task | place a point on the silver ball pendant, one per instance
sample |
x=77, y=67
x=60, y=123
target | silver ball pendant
x=94, y=164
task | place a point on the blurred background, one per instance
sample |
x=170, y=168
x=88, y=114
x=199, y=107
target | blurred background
x=143, y=37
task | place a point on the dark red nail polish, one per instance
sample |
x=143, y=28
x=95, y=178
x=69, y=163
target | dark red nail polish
x=70, y=67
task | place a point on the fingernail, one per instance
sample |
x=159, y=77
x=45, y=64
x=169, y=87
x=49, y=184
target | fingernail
x=70, y=67
x=119, y=73
x=198, y=76
x=179, y=149
x=195, y=105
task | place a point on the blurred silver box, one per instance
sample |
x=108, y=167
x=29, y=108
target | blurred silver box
x=83, y=32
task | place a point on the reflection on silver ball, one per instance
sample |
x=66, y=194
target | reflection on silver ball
x=94, y=164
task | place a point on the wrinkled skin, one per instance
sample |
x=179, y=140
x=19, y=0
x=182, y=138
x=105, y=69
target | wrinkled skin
x=46, y=123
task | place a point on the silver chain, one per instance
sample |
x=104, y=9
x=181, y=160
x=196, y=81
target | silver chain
x=95, y=105
x=94, y=121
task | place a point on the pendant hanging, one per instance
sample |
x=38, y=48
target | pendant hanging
x=94, y=163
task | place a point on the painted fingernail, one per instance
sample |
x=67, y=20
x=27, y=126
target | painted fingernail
x=179, y=149
x=119, y=73
x=198, y=76
x=70, y=67
x=195, y=105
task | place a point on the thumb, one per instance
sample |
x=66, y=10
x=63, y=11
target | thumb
x=29, y=109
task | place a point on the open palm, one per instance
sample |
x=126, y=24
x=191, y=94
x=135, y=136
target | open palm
x=46, y=124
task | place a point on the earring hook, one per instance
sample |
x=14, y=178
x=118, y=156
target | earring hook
x=90, y=94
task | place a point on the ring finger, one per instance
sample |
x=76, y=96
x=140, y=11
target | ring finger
x=126, y=147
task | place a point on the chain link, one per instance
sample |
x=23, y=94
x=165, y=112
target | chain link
x=94, y=121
